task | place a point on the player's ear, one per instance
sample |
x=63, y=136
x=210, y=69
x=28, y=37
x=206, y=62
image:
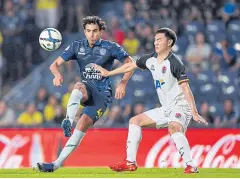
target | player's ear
x=170, y=42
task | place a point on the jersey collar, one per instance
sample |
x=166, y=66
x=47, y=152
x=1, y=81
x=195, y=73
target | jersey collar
x=170, y=53
x=97, y=43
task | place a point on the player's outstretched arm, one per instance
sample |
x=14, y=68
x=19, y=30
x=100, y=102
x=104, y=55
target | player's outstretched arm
x=121, y=87
x=54, y=68
x=127, y=67
x=127, y=75
x=190, y=99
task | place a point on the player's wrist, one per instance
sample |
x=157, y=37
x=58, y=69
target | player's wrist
x=58, y=76
x=123, y=82
x=194, y=112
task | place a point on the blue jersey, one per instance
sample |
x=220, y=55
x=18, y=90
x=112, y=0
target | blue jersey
x=102, y=53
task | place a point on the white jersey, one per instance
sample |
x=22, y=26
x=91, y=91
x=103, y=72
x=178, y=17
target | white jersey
x=167, y=77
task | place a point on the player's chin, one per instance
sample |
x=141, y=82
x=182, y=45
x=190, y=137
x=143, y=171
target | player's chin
x=157, y=50
x=93, y=41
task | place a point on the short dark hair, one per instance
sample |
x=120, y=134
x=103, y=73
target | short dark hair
x=93, y=20
x=169, y=33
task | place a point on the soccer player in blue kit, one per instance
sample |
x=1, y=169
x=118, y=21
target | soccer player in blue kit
x=94, y=91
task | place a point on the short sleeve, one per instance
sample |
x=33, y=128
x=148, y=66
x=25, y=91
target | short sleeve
x=178, y=69
x=141, y=62
x=69, y=53
x=118, y=52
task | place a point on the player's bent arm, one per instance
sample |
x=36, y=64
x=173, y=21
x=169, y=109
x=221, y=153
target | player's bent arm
x=127, y=67
x=127, y=75
x=54, y=67
x=189, y=96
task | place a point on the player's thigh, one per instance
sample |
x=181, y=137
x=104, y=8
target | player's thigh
x=151, y=118
x=179, y=118
x=143, y=121
x=95, y=111
x=96, y=105
x=158, y=116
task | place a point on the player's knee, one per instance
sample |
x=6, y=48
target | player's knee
x=174, y=127
x=80, y=86
x=84, y=123
x=135, y=120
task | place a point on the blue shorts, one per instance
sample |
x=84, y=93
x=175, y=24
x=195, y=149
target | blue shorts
x=97, y=103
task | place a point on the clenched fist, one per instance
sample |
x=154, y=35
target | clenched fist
x=57, y=81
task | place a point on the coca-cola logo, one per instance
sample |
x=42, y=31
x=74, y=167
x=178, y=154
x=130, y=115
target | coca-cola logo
x=221, y=154
x=8, y=156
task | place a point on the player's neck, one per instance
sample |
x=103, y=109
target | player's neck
x=163, y=55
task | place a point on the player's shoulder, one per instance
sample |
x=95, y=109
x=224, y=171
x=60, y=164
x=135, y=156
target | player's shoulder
x=78, y=42
x=108, y=43
x=149, y=55
x=175, y=60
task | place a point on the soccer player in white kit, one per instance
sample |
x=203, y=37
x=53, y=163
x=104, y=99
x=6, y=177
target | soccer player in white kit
x=178, y=105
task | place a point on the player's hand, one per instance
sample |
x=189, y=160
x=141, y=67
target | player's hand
x=120, y=91
x=102, y=70
x=199, y=119
x=57, y=81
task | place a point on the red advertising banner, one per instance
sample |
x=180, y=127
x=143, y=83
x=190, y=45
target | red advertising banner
x=25, y=147
x=210, y=148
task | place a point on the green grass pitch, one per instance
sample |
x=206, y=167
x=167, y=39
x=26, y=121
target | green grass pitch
x=107, y=173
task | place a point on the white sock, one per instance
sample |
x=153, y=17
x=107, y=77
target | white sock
x=73, y=104
x=183, y=147
x=71, y=144
x=133, y=140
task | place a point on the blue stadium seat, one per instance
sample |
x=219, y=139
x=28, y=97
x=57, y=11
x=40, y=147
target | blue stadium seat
x=229, y=92
x=140, y=86
x=194, y=84
x=192, y=29
x=216, y=26
x=216, y=108
x=215, y=30
x=206, y=76
x=181, y=45
x=191, y=76
x=214, y=37
x=209, y=92
x=233, y=31
x=227, y=78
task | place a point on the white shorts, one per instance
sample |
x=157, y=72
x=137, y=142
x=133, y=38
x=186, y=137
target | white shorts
x=179, y=113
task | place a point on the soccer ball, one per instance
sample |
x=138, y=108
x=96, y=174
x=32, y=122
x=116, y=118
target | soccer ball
x=50, y=39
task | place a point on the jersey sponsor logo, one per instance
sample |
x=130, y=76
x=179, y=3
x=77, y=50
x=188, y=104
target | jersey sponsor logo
x=164, y=68
x=152, y=68
x=103, y=51
x=178, y=115
x=159, y=83
x=81, y=51
x=99, y=113
x=91, y=73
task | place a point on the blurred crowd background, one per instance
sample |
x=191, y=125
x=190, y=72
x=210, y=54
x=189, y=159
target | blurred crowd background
x=208, y=44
